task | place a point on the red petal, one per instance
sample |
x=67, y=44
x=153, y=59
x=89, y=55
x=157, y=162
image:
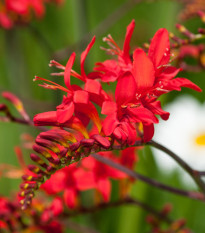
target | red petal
x=83, y=118
x=109, y=124
x=108, y=107
x=169, y=73
x=141, y=114
x=143, y=70
x=159, y=50
x=130, y=131
x=75, y=123
x=176, y=83
x=155, y=107
x=70, y=197
x=148, y=132
x=128, y=157
x=5, y=21
x=189, y=50
x=125, y=89
x=68, y=70
x=120, y=134
x=104, y=187
x=90, y=111
x=110, y=70
x=93, y=86
x=126, y=47
x=83, y=57
x=104, y=142
x=88, y=163
x=45, y=118
x=81, y=97
x=84, y=179
x=66, y=113
x=57, y=206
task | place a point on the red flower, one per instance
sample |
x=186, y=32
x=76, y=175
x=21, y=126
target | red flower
x=102, y=174
x=138, y=89
x=53, y=210
x=78, y=101
x=112, y=69
x=71, y=180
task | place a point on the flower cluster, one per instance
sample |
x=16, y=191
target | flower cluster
x=21, y=11
x=78, y=130
x=60, y=148
x=140, y=79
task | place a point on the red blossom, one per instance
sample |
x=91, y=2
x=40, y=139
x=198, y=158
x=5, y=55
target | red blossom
x=77, y=101
x=71, y=180
x=149, y=77
x=102, y=173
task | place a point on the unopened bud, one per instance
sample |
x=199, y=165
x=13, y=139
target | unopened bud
x=74, y=146
x=48, y=144
x=87, y=142
x=33, y=178
x=104, y=142
x=29, y=185
x=41, y=150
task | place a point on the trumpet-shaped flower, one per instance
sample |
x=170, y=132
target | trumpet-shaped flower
x=139, y=86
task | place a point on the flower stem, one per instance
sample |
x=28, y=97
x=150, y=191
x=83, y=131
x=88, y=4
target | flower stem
x=193, y=173
x=135, y=175
x=124, y=201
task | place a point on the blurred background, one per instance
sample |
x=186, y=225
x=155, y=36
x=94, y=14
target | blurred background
x=26, y=51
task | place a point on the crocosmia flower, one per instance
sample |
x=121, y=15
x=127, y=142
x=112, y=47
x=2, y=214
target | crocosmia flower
x=140, y=81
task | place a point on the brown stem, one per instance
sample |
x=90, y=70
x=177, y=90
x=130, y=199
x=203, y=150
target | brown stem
x=135, y=175
x=76, y=227
x=194, y=174
x=127, y=200
x=10, y=118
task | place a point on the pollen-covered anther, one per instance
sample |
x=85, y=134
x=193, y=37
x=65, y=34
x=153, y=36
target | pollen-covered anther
x=134, y=105
x=56, y=64
x=102, y=141
x=138, y=96
x=124, y=106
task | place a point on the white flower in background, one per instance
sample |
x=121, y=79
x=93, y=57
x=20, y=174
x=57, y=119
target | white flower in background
x=183, y=133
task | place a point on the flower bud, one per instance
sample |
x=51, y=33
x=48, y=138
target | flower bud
x=104, y=142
